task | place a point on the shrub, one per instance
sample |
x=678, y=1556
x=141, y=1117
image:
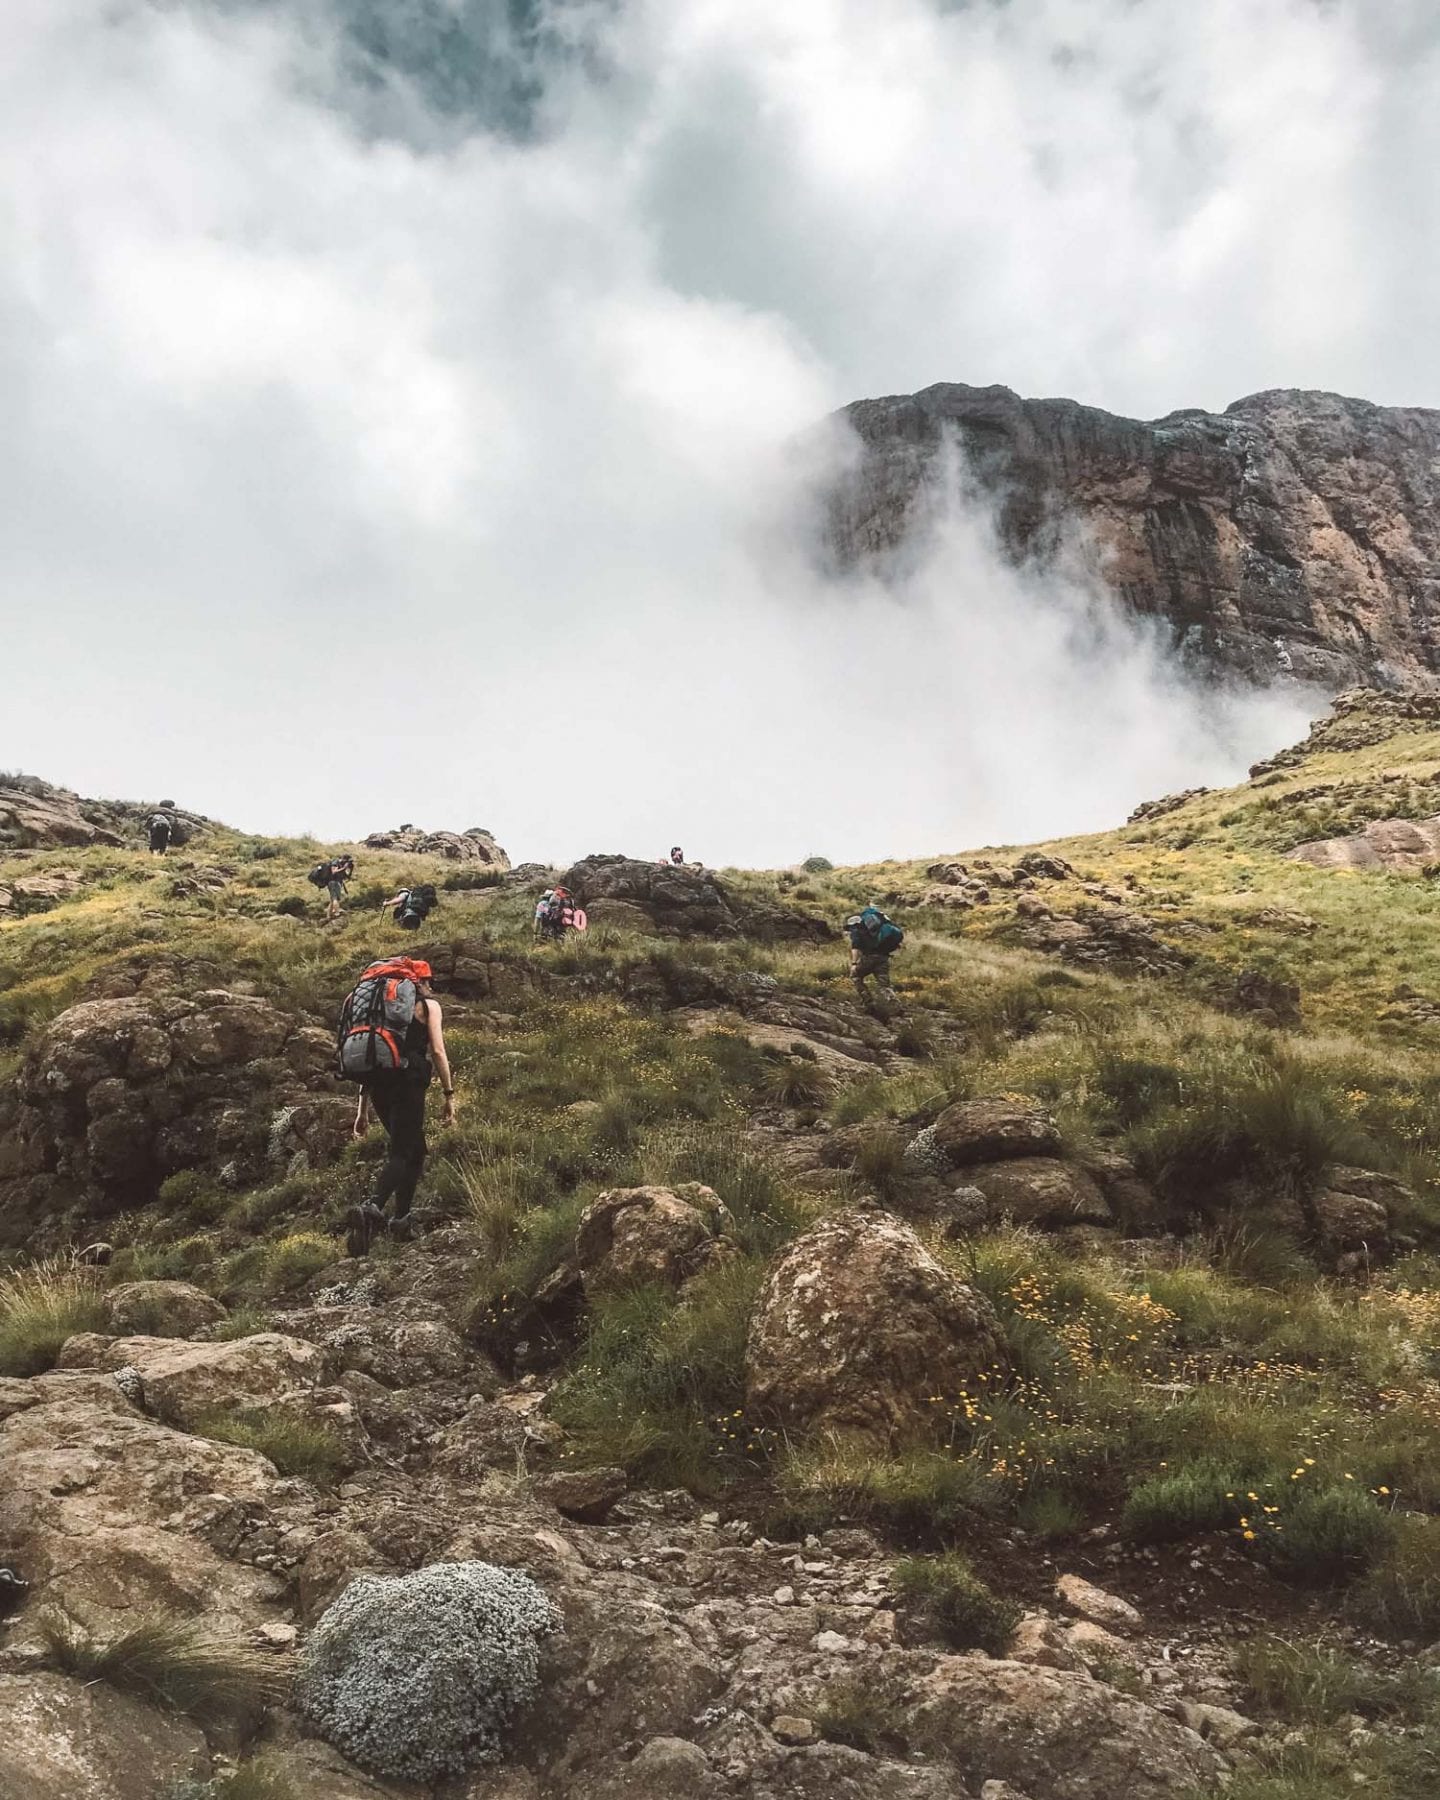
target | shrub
x=290, y=1263
x=1181, y=1504
x=258, y=1780
x=1307, y=1684
x=659, y=1386
x=296, y=1445
x=865, y=1712
x=41, y=1306
x=419, y=1676
x=968, y=1614
x=1401, y=1593
x=1328, y=1535
x=172, y=1662
x=921, y=1495
x=796, y=1082
x=817, y=865
x=880, y=1163
x=290, y=906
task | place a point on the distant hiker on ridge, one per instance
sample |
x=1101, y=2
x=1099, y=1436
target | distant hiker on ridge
x=412, y=906
x=391, y=1040
x=874, y=939
x=162, y=828
x=333, y=876
x=554, y=915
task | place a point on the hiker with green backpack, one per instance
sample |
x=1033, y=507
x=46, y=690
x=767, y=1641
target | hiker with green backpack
x=874, y=939
x=391, y=1040
x=412, y=906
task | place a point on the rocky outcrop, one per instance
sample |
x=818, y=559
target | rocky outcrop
x=73, y=1740
x=117, y=1094
x=858, y=1327
x=1296, y=534
x=1395, y=844
x=684, y=901
x=472, y=846
x=631, y=1236
x=35, y=816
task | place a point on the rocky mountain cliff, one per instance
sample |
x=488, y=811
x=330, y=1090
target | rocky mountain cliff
x=1296, y=533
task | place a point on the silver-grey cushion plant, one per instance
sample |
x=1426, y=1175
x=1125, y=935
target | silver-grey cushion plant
x=419, y=1676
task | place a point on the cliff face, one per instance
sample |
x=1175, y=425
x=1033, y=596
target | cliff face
x=1294, y=533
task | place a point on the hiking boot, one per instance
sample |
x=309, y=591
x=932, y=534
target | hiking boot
x=402, y=1230
x=363, y=1224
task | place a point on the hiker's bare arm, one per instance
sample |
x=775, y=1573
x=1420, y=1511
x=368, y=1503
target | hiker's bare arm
x=362, y=1114
x=435, y=1025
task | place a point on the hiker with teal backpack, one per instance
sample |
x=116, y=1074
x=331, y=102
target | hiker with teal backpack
x=874, y=939
x=391, y=1040
x=412, y=906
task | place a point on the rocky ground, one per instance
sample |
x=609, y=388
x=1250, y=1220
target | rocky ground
x=1021, y=1390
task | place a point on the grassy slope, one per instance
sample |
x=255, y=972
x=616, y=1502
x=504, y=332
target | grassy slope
x=1161, y=1398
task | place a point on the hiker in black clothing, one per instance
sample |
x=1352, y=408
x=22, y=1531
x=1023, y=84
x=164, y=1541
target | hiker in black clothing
x=162, y=829
x=333, y=876
x=396, y=1097
x=412, y=906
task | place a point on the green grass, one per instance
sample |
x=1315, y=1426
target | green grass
x=950, y=1597
x=658, y=1385
x=865, y=1713
x=171, y=1662
x=258, y=1779
x=296, y=1446
x=40, y=1307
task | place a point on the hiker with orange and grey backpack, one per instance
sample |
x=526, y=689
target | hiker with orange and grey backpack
x=161, y=828
x=391, y=1040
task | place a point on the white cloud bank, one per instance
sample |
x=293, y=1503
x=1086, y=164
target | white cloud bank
x=351, y=476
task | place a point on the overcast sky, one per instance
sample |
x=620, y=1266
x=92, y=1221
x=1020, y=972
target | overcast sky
x=396, y=392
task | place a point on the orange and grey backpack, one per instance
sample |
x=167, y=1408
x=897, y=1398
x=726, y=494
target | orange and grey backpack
x=376, y=1017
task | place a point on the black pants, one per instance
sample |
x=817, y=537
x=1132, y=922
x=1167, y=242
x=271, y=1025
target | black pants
x=399, y=1102
x=160, y=838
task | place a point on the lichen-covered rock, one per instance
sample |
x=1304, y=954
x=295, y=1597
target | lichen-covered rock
x=78, y=1740
x=1055, y=1733
x=584, y=1494
x=858, y=1326
x=1039, y=1190
x=184, y=1383
x=118, y=1093
x=651, y=1234
x=1096, y=1605
x=990, y=1129
x=161, y=1308
x=105, y=1511
x=419, y=1676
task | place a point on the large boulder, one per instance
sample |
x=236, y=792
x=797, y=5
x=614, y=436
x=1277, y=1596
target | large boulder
x=106, y=1512
x=685, y=901
x=1039, y=1190
x=859, y=1326
x=84, y=1740
x=651, y=1234
x=119, y=1093
x=1055, y=1733
x=185, y=1383
x=161, y=1309
x=472, y=846
x=991, y=1128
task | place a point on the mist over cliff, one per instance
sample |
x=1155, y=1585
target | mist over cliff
x=466, y=344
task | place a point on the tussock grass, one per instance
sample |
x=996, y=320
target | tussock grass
x=40, y=1307
x=296, y=1445
x=171, y=1662
x=951, y=1597
x=658, y=1386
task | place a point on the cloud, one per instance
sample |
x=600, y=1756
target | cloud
x=399, y=410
